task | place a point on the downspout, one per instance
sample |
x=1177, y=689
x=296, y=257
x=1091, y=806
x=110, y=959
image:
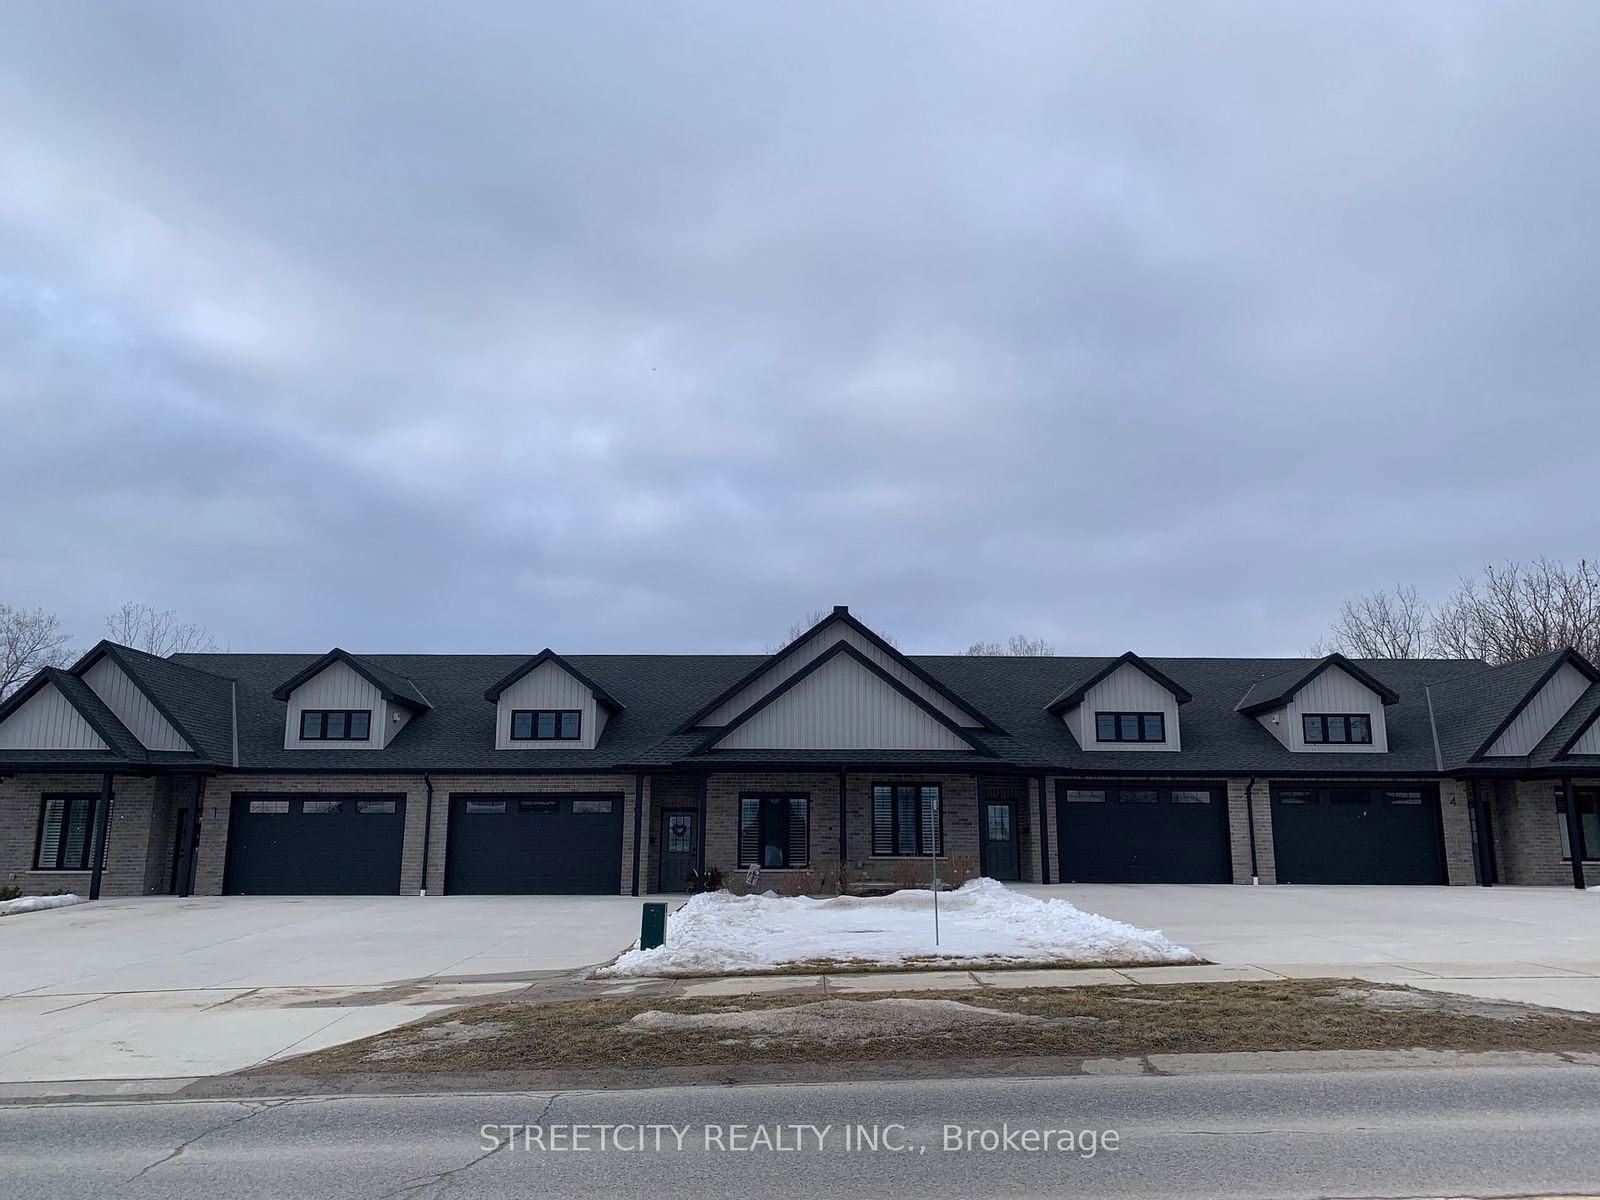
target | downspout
x=1480, y=836
x=427, y=831
x=1250, y=824
x=638, y=826
x=1044, y=837
x=844, y=837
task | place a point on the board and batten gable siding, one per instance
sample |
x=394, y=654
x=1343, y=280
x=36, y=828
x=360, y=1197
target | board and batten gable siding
x=1127, y=689
x=1333, y=691
x=132, y=707
x=842, y=706
x=1549, y=705
x=1589, y=743
x=47, y=721
x=807, y=653
x=337, y=687
x=548, y=686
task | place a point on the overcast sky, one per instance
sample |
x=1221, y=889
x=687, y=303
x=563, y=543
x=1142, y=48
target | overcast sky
x=487, y=326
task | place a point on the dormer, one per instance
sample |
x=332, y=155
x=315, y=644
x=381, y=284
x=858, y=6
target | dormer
x=1124, y=705
x=342, y=702
x=1330, y=706
x=548, y=704
x=839, y=686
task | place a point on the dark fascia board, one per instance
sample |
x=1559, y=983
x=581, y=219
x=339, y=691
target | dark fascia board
x=1384, y=692
x=1566, y=748
x=1567, y=657
x=113, y=651
x=838, y=615
x=817, y=664
x=284, y=690
x=1075, y=694
x=548, y=655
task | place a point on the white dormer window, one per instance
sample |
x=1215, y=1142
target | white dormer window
x=1329, y=706
x=549, y=704
x=1126, y=704
x=342, y=702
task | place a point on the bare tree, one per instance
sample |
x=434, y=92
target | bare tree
x=1380, y=625
x=1018, y=646
x=158, y=631
x=1519, y=610
x=28, y=641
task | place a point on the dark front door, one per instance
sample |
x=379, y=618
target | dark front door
x=1142, y=833
x=1000, y=839
x=315, y=845
x=531, y=844
x=680, y=848
x=1357, y=834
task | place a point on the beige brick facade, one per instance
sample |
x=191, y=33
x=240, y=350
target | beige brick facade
x=141, y=843
x=1526, y=821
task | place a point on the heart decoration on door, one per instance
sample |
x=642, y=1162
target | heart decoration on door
x=679, y=830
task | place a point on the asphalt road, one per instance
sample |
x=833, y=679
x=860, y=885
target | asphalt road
x=1402, y=1133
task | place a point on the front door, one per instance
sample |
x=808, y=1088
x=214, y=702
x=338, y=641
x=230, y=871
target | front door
x=1000, y=839
x=680, y=848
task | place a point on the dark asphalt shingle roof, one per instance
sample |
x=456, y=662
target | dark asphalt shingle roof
x=661, y=691
x=200, y=702
x=1470, y=707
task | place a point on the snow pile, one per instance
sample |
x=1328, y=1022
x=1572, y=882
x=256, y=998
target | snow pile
x=35, y=903
x=983, y=923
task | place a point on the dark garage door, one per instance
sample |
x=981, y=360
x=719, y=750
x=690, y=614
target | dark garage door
x=315, y=845
x=519, y=845
x=1142, y=833
x=1357, y=834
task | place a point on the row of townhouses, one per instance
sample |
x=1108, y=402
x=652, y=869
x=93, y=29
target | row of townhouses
x=595, y=773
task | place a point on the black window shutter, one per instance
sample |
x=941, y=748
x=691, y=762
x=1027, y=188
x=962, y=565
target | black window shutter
x=749, y=830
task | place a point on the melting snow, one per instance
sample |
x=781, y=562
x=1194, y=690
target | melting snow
x=983, y=923
x=35, y=903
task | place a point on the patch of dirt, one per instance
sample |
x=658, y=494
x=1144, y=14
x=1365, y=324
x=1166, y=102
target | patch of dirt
x=1405, y=1000
x=595, y=1033
x=446, y=1035
x=832, y=1021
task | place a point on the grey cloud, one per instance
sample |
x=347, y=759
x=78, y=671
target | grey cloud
x=653, y=327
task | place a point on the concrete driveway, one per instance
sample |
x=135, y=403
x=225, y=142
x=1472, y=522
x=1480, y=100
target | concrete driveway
x=1536, y=945
x=168, y=987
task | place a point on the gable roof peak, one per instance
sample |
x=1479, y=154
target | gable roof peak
x=392, y=687
x=547, y=655
x=840, y=615
x=1277, y=690
x=1074, y=694
x=844, y=650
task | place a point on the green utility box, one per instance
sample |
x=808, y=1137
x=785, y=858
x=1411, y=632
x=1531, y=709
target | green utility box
x=653, y=928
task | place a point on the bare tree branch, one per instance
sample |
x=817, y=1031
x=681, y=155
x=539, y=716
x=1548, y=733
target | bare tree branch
x=158, y=631
x=28, y=641
x=1018, y=646
x=1379, y=625
x=1521, y=610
